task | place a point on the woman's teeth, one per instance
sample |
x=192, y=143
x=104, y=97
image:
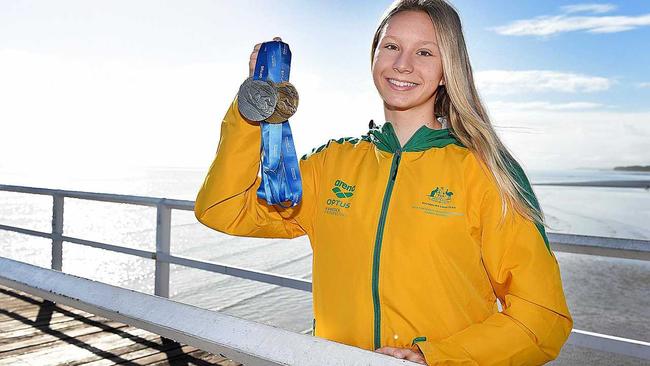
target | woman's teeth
x=401, y=83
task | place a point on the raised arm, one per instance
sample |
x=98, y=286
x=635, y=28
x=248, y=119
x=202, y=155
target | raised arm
x=227, y=200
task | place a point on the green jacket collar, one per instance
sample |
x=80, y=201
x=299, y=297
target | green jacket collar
x=424, y=138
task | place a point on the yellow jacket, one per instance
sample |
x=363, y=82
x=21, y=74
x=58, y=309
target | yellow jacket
x=407, y=247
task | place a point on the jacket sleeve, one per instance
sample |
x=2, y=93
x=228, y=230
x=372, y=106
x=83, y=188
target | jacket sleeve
x=524, y=273
x=227, y=201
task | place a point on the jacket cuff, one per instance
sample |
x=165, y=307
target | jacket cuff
x=445, y=353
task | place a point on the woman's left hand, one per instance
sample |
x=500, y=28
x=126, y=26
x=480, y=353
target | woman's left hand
x=405, y=353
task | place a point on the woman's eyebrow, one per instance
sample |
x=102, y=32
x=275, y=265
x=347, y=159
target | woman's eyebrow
x=419, y=41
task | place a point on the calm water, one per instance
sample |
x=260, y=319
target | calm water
x=605, y=295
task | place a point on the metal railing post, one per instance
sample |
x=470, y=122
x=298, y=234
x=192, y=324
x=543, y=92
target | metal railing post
x=163, y=231
x=57, y=232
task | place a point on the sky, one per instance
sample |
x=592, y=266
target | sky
x=87, y=85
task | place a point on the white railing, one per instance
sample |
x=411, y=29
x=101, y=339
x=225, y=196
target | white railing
x=593, y=245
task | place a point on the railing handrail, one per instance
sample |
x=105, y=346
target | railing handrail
x=594, y=245
x=104, y=197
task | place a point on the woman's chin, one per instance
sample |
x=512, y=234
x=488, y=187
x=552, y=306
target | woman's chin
x=398, y=105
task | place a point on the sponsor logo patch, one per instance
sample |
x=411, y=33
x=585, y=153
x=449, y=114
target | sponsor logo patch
x=343, y=192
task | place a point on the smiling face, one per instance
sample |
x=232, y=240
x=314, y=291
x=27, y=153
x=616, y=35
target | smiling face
x=407, y=67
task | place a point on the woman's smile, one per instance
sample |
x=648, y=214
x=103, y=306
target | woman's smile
x=400, y=85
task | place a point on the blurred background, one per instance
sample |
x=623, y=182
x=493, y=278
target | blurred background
x=127, y=97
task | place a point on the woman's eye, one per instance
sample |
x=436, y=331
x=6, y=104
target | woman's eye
x=426, y=53
x=390, y=46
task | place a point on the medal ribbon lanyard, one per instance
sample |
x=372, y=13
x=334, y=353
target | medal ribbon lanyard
x=280, y=171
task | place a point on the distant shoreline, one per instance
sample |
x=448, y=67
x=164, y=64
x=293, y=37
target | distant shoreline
x=634, y=168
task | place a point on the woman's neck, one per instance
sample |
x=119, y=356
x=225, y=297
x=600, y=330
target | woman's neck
x=407, y=122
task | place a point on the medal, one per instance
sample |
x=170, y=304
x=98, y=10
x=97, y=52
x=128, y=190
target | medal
x=287, y=103
x=257, y=99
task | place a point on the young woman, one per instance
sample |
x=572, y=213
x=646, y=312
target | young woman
x=420, y=225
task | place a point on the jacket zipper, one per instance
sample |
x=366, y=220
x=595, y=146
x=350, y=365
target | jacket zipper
x=377, y=249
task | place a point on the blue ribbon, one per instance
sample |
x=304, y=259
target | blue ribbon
x=280, y=172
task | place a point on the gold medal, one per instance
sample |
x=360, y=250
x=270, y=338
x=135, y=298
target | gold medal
x=287, y=103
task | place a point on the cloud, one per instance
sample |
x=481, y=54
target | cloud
x=516, y=82
x=643, y=85
x=588, y=8
x=547, y=25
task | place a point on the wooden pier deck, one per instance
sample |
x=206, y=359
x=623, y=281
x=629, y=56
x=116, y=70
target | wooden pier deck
x=38, y=332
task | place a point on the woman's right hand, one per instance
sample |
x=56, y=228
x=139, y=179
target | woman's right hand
x=253, y=58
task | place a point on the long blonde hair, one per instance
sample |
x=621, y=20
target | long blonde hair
x=459, y=100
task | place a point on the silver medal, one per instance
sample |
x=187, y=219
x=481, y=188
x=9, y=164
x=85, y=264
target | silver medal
x=257, y=99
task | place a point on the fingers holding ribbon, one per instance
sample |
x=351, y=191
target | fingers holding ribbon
x=252, y=59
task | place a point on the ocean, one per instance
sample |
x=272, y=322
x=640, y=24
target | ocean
x=605, y=295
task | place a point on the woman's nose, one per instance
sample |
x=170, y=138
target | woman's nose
x=403, y=63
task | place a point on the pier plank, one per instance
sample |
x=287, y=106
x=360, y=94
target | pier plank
x=47, y=336
x=32, y=312
x=200, y=355
x=89, y=347
x=132, y=349
x=172, y=353
x=25, y=333
x=15, y=306
x=16, y=324
x=14, y=301
x=37, y=332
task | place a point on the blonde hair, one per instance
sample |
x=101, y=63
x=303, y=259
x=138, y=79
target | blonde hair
x=459, y=100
